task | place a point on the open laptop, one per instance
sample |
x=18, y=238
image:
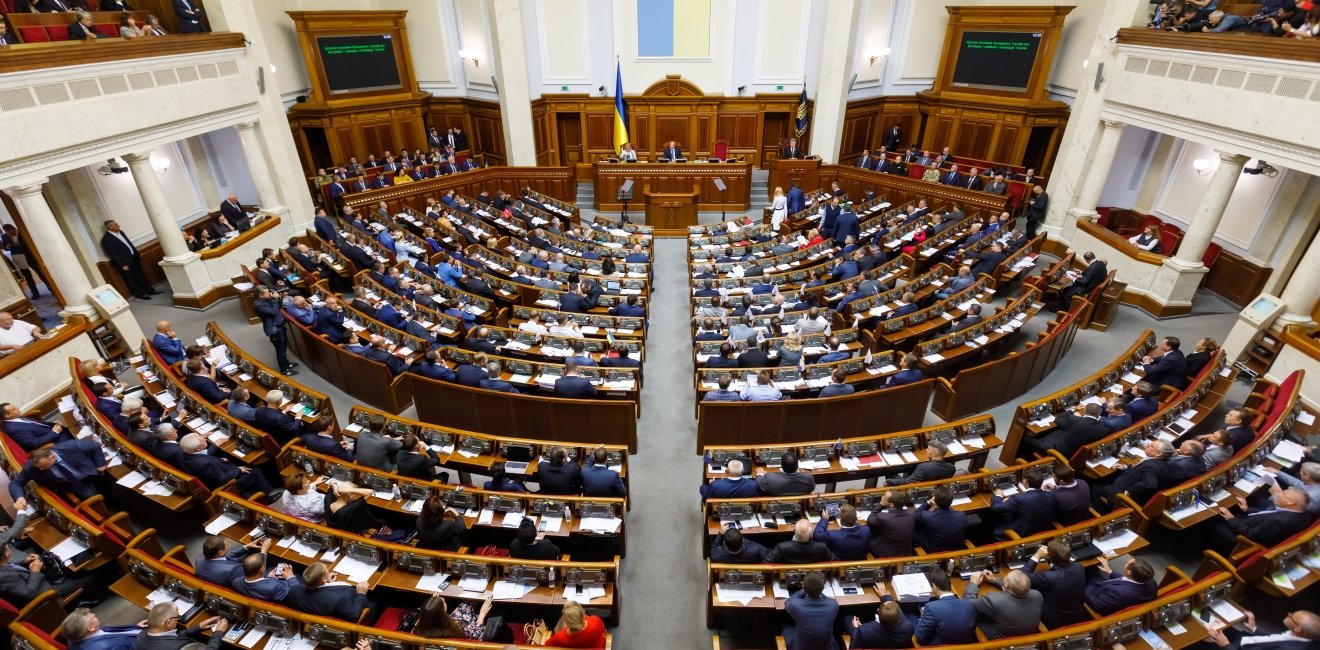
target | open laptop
x=518, y=460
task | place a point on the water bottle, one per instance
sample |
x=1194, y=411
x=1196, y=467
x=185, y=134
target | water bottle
x=395, y=492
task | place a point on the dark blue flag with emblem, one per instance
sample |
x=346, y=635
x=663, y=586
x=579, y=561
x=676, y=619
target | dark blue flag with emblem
x=802, y=119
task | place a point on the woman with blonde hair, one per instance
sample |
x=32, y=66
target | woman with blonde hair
x=790, y=351
x=778, y=209
x=577, y=630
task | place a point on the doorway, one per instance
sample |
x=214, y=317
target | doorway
x=569, y=126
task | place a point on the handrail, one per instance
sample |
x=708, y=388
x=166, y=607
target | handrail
x=244, y=237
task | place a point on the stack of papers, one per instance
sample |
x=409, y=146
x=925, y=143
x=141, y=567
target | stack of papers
x=740, y=595
x=911, y=587
x=353, y=569
x=474, y=583
x=590, y=593
x=1111, y=545
x=505, y=590
x=600, y=524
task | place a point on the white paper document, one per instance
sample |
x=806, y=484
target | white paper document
x=354, y=570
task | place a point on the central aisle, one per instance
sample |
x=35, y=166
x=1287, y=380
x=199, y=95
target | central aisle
x=664, y=574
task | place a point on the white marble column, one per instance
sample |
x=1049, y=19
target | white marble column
x=1097, y=172
x=833, y=78
x=1210, y=211
x=158, y=207
x=1303, y=288
x=43, y=232
x=255, y=155
x=510, y=62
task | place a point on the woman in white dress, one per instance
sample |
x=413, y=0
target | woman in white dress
x=779, y=209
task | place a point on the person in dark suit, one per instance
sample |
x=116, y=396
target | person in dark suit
x=379, y=353
x=939, y=527
x=1268, y=526
x=756, y=355
x=1200, y=357
x=314, y=596
x=330, y=321
x=231, y=210
x=598, y=480
x=893, y=526
x=909, y=373
x=892, y=139
x=788, y=481
x=672, y=151
x=946, y=619
x=560, y=474
x=167, y=343
x=319, y=439
x=827, y=222
x=530, y=545
x=1072, y=430
x=951, y=177
x=850, y=541
x=81, y=27
x=433, y=367
x=325, y=228
x=1301, y=631
x=492, y=381
x=1013, y=611
x=801, y=549
x=189, y=15
x=199, y=382
x=1037, y=206
x=1110, y=591
x=1241, y=433
x=891, y=629
x=736, y=486
x=730, y=547
x=220, y=564
x=439, y=527
x=573, y=385
x=256, y=582
x=1145, y=401
x=121, y=251
x=813, y=615
x=796, y=199
x=1063, y=584
x=791, y=150
x=273, y=326
x=987, y=260
x=1026, y=513
x=621, y=361
x=973, y=180
x=215, y=473
x=1093, y=275
x=1072, y=497
x=934, y=468
x=75, y=466
x=1141, y=481
x=163, y=631
x=846, y=225
x=867, y=161
x=416, y=459
x=1187, y=464
x=27, y=432
x=83, y=630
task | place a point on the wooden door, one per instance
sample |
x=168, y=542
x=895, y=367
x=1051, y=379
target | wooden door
x=775, y=127
x=570, y=138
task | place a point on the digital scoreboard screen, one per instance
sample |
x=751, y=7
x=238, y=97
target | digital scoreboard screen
x=354, y=64
x=996, y=60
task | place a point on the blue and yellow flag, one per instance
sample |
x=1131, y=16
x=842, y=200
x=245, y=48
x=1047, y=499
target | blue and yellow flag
x=802, y=118
x=620, y=111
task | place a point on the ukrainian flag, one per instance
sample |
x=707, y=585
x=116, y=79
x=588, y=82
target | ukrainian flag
x=620, y=111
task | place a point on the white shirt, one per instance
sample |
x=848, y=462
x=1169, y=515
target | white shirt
x=535, y=328
x=20, y=333
x=120, y=234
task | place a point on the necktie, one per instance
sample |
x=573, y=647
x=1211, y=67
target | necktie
x=64, y=472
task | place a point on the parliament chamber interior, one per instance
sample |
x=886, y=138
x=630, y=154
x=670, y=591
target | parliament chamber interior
x=807, y=324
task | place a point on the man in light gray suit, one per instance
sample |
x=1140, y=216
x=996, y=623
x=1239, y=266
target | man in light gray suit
x=374, y=448
x=787, y=481
x=997, y=186
x=1012, y=612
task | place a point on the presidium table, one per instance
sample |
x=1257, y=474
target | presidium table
x=671, y=194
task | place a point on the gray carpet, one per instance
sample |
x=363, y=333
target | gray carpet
x=664, y=581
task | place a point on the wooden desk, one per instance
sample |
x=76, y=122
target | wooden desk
x=783, y=173
x=675, y=177
x=667, y=211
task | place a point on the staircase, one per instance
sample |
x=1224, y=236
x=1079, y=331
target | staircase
x=760, y=188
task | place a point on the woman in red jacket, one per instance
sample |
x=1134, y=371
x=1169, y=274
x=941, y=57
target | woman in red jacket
x=577, y=630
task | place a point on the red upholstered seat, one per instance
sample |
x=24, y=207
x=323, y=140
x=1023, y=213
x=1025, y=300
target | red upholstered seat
x=1170, y=237
x=721, y=150
x=1016, y=192
x=1103, y=221
x=33, y=34
x=390, y=618
x=1211, y=254
x=108, y=30
x=39, y=634
x=58, y=32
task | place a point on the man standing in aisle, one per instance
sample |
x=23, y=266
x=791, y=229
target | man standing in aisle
x=272, y=323
x=1036, y=208
x=121, y=251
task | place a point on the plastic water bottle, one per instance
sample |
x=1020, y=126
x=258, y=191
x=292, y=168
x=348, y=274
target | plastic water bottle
x=395, y=492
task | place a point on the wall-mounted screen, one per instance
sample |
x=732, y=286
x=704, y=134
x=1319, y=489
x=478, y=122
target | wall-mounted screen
x=354, y=64
x=996, y=60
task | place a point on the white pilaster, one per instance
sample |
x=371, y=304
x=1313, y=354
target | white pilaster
x=833, y=78
x=256, y=159
x=1093, y=183
x=1209, y=212
x=507, y=48
x=1303, y=288
x=44, y=234
x=183, y=268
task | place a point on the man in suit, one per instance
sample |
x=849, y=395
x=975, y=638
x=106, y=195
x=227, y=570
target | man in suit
x=273, y=325
x=630, y=308
x=813, y=615
x=1013, y=611
x=1072, y=497
x=189, y=15
x=1145, y=401
x=946, y=619
x=1187, y=463
x=1169, y=367
x=1141, y=481
x=850, y=542
x=736, y=486
x=934, y=468
x=1301, y=630
x=672, y=151
x=231, y=210
x=939, y=527
x=866, y=161
x=256, y=582
x=788, y=481
x=121, y=251
x=220, y=564
x=83, y=631
x=201, y=383
x=325, y=228
x=801, y=549
x=1063, y=585
x=164, y=633
x=951, y=177
x=214, y=472
x=997, y=186
x=754, y=356
x=891, y=629
x=380, y=354
x=730, y=547
x=796, y=199
x=598, y=480
x=75, y=466
x=1029, y=511
x=838, y=386
x=277, y=423
x=846, y=225
x=560, y=474
x=1037, y=206
x=21, y=578
x=1218, y=448
x=376, y=449
x=893, y=526
x=790, y=150
x=1110, y=591
x=573, y=385
x=987, y=261
x=330, y=321
x=27, y=432
x=81, y=27
x=1265, y=526
x=5, y=38
x=314, y=595
x=1072, y=430
x=167, y=344
x=972, y=181
x=892, y=139
x=909, y=373
x=1093, y=275
x=433, y=367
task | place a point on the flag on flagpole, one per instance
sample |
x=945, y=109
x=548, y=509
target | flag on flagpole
x=802, y=119
x=620, y=111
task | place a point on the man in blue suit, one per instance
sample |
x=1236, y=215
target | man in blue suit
x=271, y=587
x=1169, y=368
x=221, y=565
x=492, y=380
x=1145, y=403
x=598, y=480
x=850, y=541
x=29, y=433
x=909, y=373
x=621, y=361
x=939, y=527
x=796, y=199
x=189, y=15
x=71, y=466
x=730, y=547
x=630, y=308
x=167, y=343
x=315, y=596
x=946, y=618
x=82, y=630
x=1063, y=584
x=909, y=306
x=951, y=177
x=356, y=346
x=388, y=314
x=214, y=472
x=866, y=161
x=736, y=486
x=847, y=225
x=891, y=629
x=1028, y=512
x=380, y=354
x=572, y=384
x=325, y=228
x=472, y=374
x=432, y=367
x=1111, y=591
x=199, y=382
x=637, y=255
x=834, y=354
x=813, y=615
x=330, y=320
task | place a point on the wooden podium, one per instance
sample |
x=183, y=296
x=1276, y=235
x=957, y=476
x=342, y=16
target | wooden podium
x=670, y=213
x=806, y=173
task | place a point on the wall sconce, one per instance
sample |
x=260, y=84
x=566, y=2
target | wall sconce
x=876, y=54
x=470, y=55
x=160, y=165
x=1203, y=166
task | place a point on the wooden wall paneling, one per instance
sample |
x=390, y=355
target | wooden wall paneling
x=673, y=127
x=599, y=129
x=1009, y=144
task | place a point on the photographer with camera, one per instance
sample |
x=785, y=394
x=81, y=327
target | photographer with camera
x=267, y=306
